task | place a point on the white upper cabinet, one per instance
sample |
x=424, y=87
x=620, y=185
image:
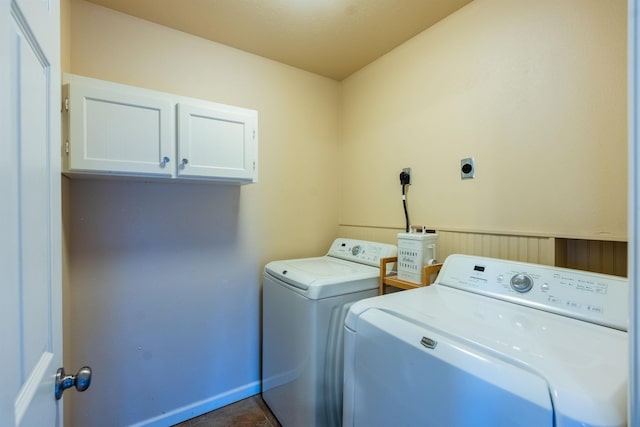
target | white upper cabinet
x=214, y=141
x=115, y=129
x=119, y=130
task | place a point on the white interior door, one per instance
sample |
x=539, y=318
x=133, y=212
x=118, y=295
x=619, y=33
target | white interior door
x=30, y=224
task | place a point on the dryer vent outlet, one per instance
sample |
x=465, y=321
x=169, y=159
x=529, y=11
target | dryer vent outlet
x=467, y=168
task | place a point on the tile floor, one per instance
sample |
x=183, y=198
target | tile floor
x=250, y=412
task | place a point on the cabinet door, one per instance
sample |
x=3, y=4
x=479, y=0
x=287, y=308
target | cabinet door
x=217, y=142
x=116, y=129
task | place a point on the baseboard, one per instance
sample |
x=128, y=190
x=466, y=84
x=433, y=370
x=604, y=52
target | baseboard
x=198, y=408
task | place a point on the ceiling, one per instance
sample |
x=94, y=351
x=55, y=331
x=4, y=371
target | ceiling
x=333, y=38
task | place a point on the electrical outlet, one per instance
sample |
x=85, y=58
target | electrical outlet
x=467, y=168
x=408, y=172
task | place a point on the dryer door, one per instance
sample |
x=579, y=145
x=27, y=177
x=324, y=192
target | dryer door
x=399, y=373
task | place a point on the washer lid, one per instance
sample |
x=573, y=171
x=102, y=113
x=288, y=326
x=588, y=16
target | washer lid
x=324, y=276
x=584, y=364
x=435, y=380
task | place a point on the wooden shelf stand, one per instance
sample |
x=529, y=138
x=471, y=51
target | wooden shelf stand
x=429, y=273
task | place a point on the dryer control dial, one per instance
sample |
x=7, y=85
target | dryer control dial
x=521, y=283
x=355, y=251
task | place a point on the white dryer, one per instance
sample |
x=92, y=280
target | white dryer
x=305, y=302
x=491, y=343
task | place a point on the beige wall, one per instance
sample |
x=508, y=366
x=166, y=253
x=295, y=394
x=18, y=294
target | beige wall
x=535, y=91
x=162, y=281
x=298, y=121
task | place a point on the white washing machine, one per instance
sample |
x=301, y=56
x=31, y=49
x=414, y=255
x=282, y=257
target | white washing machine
x=491, y=343
x=305, y=302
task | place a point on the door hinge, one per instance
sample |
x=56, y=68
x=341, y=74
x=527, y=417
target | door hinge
x=66, y=104
x=254, y=165
x=66, y=147
x=254, y=134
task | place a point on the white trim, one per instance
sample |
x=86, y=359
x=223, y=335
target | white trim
x=634, y=214
x=202, y=407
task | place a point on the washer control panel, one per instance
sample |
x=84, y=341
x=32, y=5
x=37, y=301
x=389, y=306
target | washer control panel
x=593, y=297
x=362, y=251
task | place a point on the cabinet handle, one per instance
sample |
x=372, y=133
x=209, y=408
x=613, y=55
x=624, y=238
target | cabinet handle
x=164, y=161
x=184, y=163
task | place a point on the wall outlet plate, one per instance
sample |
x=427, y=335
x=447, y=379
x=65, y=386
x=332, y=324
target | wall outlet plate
x=407, y=171
x=467, y=168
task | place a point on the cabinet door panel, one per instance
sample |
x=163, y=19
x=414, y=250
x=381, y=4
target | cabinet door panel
x=121, y=132
x=217, y=143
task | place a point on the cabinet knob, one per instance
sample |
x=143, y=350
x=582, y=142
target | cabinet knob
x=164, y=161
x=184, y=163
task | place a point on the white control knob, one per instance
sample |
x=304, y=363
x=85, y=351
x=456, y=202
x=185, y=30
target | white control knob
x=521, y=283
